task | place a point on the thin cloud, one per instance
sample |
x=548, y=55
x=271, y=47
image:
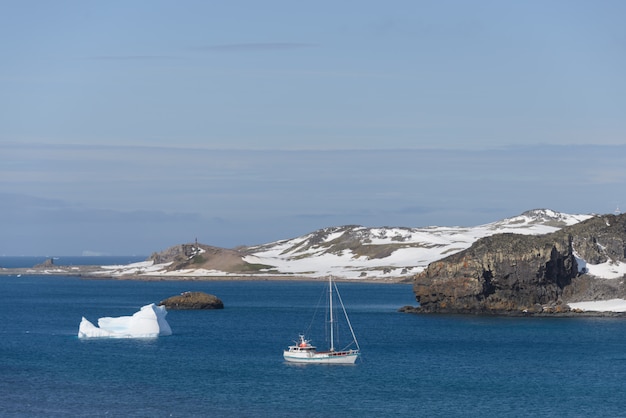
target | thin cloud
x=132, y=57
x=256, y=46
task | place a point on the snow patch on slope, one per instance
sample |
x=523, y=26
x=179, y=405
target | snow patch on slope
x=415, y=248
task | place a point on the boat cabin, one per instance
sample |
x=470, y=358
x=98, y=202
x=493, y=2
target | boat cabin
x=302, y=345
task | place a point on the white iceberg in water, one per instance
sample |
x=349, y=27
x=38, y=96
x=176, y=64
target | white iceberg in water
x=148, y=322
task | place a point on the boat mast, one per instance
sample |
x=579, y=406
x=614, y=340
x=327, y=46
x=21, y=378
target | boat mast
x=332, y=327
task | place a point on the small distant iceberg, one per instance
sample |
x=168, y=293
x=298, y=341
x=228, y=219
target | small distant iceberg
x=148, y=322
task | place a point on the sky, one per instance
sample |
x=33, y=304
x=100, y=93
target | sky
x=127, y=127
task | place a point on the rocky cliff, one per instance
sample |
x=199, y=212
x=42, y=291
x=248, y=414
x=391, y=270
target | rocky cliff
x=511, y=273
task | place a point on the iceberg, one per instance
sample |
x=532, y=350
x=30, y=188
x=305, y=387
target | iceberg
x=148, y=322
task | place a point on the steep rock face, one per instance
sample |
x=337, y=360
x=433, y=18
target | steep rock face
x=600, y=239
x=498, y=273
x=586, y=288
x=510, y=272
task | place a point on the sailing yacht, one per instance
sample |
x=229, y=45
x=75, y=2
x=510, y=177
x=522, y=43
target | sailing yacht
x=303, y=352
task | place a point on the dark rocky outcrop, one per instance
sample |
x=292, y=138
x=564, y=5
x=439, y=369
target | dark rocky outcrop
x=511, y=273
x=193, y=300
x=48, y=263
x=586, y=287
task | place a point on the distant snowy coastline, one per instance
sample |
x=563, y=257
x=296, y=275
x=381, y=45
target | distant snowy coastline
x=405, y=252
x=314, y=255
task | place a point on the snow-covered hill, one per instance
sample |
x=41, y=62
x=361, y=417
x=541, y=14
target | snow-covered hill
x=360, y=252
x=357, y=252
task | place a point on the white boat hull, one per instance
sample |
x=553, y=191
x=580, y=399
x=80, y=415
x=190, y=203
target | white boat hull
x=337, y=357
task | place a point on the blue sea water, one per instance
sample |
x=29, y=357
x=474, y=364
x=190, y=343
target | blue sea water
x=228, y=363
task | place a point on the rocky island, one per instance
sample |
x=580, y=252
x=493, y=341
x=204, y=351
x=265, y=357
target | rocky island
x=512, y=274
x=193, y=300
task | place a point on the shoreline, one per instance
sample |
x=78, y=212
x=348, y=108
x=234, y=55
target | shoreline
x=98, y=273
